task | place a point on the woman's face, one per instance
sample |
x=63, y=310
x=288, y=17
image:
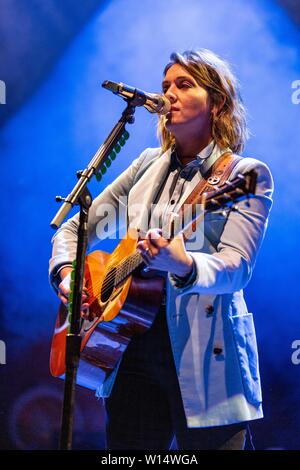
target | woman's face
x=190, y=103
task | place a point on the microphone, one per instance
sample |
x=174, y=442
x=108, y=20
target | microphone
x=153, y=102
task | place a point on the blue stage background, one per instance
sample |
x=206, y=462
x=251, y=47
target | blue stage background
x=60, y=126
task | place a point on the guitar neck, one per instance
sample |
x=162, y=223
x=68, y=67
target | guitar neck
x=135, y=261
x=128, y=266
x=189, y=216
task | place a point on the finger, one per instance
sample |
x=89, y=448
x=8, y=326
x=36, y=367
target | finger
x=145, y=250
x=143, y=245
x=85, y=291
x=85, y=310
x=63, y=298
x=63, y=290
x=88, y=314
x=152, y=251
x=154, y=232
x=84, y=313
x=147, y=257
x=156, y=240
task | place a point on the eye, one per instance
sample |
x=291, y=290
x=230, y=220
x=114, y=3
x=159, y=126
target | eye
x=180, y=84
x=185, y=84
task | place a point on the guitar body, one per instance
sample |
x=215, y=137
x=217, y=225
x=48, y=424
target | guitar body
x=119, y=313
x=123, y=302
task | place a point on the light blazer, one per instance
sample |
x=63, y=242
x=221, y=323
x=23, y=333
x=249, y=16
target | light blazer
x=212, y=333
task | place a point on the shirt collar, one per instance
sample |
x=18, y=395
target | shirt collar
x=204, y=160
x=200, y=158
x=206, y=152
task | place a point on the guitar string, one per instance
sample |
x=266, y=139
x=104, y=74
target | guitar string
x=122, y=268
x=97, y=284
x=110, y=278
x=109, y=281
x=121, y=272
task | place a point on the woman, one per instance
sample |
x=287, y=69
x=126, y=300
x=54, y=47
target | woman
x=195, y=372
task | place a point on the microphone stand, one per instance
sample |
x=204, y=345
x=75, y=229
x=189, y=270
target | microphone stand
x=81, y=196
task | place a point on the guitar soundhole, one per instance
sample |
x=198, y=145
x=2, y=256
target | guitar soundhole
x=108, y=285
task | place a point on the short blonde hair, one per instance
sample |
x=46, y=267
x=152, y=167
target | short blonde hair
x=229, y=127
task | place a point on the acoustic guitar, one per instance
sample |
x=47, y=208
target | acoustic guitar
x=123, y=298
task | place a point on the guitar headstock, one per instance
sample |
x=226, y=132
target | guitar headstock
x=241, y=187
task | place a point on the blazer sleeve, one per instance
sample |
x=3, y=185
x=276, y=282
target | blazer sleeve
x=113, y=200
x=229, y=269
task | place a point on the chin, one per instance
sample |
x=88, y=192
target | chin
x=171, y=125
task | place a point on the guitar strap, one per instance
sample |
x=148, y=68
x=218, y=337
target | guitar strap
x=214, y=177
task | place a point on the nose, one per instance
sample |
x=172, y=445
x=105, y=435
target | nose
x=170, y=95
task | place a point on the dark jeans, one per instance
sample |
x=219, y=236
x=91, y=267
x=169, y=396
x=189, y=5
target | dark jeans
x=145, y=408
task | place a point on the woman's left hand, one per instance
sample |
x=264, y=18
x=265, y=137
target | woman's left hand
x=159, y=253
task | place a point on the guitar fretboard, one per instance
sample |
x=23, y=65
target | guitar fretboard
x=243, y=186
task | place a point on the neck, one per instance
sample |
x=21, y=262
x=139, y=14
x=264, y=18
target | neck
x=189, y=148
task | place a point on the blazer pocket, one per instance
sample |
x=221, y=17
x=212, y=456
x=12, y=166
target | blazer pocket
x=245, y=340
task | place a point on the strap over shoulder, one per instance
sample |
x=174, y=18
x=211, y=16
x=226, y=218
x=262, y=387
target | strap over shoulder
x=216, y=175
